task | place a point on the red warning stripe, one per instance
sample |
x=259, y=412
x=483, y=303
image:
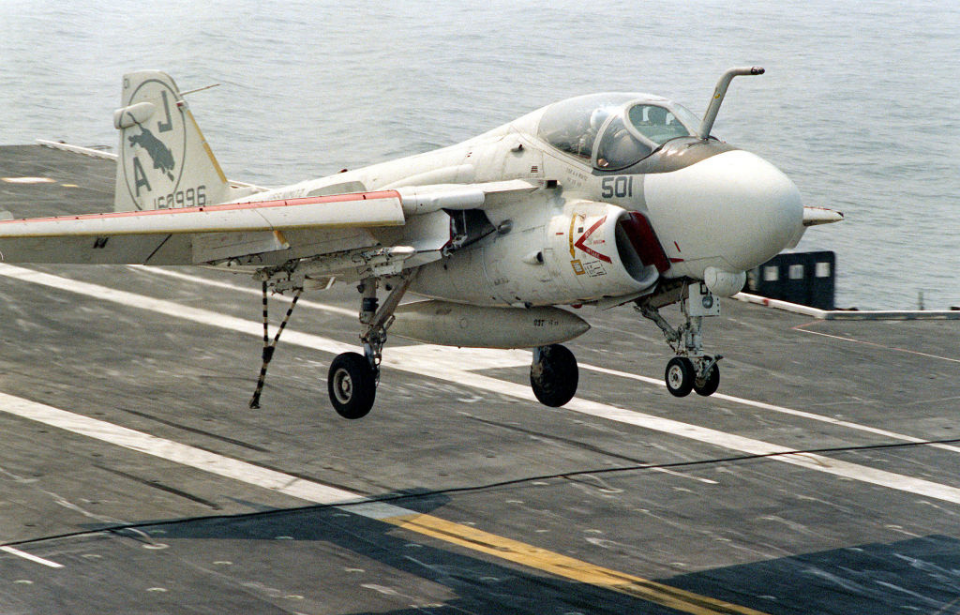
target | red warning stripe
x=317, y=200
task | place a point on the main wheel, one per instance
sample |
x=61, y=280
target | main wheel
x=708, y=385
x=679, y=376
x=352, y=385
x=554, y=376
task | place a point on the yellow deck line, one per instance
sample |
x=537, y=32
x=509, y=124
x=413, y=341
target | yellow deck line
x=566, y=567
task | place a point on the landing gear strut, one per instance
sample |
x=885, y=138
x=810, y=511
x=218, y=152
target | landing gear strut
x=353, y=378
x=554, y=375
x=691, y=369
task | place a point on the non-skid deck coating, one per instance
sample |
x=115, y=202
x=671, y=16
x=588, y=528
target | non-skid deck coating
x=823, y=478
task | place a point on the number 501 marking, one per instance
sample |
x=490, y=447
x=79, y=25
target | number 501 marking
x=620, y=186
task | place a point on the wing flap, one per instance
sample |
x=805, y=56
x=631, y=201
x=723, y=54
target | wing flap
x=197, y=235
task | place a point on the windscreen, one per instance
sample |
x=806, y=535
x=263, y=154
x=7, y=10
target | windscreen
x=619, y=147
x=572, y=125
x=657, y=123
x=614, y=130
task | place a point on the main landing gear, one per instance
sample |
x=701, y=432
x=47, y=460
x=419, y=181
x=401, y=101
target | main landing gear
x=352, y=384
x=554, y=375
x=353, y=378
x=691, y=369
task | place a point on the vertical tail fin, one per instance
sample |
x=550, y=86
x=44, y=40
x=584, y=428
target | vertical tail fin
x=164, y=161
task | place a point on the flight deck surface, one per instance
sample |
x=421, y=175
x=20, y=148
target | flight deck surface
x=824, y=477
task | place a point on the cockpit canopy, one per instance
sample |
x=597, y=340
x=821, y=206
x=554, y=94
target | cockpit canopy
x=615, y=130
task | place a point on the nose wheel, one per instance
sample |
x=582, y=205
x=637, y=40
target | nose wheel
x=683, y=376
x=679, y=376
x=707, y=384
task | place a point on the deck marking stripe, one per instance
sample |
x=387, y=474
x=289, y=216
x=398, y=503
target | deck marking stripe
x=174, y=451
x=490, y=544
x=31, y=557
x=783, y=454
x=781, y=409
x=566, y=567
x=447, y=366
x=873, y=344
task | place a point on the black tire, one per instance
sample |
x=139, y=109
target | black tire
x=352, y=385
x=555, y=376
x=708, y=386
x=679, y=376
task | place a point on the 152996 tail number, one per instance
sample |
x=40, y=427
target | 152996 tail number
x=191, y=197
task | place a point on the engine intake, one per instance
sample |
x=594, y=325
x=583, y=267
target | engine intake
x=606, y=250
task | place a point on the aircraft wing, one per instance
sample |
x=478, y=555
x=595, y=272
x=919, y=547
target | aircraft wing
x=259, y=233
x=196, y=235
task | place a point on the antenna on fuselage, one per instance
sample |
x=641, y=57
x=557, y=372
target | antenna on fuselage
x=719, y=92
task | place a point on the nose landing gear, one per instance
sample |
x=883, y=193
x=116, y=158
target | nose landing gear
x=691, y=369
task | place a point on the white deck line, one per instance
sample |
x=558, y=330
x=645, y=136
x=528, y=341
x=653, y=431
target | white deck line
x=184, y=454
x=414, y=359
x=240, y=289
x=29, y=556
x=782, y=410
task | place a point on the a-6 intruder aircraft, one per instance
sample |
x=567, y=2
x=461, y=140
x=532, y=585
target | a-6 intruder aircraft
x=605, y=199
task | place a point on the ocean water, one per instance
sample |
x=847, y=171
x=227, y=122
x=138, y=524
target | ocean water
x=860, y=105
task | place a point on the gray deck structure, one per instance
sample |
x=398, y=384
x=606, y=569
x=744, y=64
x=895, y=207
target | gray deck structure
x=823, y=478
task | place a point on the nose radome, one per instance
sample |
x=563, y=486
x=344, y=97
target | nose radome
x=763, y=213
x=734, y=207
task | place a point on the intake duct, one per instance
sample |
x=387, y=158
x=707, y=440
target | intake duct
x=638, y=245
x=606, y=250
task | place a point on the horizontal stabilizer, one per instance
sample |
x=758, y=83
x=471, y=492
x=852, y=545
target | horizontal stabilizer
x=77, y=149
x=235, y=186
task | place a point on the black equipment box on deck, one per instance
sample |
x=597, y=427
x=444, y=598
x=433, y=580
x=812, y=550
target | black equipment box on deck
x=806, y=278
